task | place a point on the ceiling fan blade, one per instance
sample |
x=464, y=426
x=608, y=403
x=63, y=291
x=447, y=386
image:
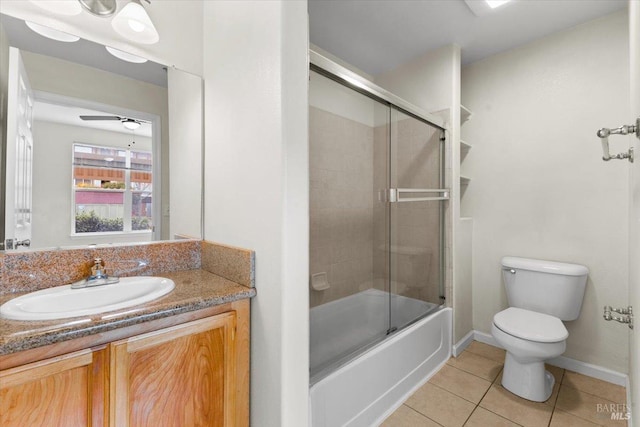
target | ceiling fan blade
x=101, y=118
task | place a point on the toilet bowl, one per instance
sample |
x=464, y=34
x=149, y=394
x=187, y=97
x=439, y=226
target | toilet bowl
x=530, y=339
x=541, y=295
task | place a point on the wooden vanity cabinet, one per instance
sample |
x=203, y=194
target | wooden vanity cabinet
x=175, y=377
x=65, y=391
x=194, y=373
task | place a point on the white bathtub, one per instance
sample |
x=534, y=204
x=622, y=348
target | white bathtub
x=364, y=390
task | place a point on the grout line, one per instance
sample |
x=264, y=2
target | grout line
x=591, y=394
x=501, y=416
x=471, y=373
x=421, y=414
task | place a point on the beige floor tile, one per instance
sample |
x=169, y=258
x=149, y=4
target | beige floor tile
x=476, y=365
x=486, y=350
x=612, y=392
x=483, y=418
x=587, y=406
x=441, y=406
x=524, y=412
x=407, y=417
x=564, y=419
x=461, y=383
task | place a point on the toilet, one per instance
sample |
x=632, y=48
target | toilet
x=541, y=294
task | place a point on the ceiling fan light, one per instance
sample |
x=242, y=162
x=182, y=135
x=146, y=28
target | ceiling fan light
x=59, y=7
x=52, y=34
x=125, y=56
x=131, y=124
x=133, y=23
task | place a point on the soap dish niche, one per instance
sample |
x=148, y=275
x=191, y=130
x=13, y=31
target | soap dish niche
x=319, y=281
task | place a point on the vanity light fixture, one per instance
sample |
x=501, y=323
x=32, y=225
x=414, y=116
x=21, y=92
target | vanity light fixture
x=125, y=56
x=50, y=33
x=102, y=8
x=59, y=7
x=133, y=23
x=496, y=3
x=481, y=8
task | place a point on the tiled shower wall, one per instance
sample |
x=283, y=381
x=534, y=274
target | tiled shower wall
x=349, y=216
x=341, y=207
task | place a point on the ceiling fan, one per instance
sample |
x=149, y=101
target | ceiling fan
x=129, y=123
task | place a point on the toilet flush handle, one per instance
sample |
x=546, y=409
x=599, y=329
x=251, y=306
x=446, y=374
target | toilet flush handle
x=512, y=271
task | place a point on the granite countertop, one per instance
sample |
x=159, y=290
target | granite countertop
x=195, y=289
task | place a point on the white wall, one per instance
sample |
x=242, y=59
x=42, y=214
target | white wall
x=539, y=187
x=179, y=23
x=185, y=154
x=52, y=154
x=256, y=184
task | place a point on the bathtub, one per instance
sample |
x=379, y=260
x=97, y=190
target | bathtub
x=362, y=388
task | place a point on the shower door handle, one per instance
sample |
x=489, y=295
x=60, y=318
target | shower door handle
x=396, y=194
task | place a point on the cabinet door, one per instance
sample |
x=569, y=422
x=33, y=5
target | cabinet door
x=179, y=376
x=63, y=391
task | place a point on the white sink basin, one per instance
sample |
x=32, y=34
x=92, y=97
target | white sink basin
x=62, y=302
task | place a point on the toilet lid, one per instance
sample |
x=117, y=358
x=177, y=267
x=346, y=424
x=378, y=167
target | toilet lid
x=530, y=325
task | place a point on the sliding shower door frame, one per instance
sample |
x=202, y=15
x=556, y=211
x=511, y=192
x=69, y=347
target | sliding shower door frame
x=328, y=68
x=333, y=71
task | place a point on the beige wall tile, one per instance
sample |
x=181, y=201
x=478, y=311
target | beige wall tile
x=524, y=412
x=461, y=383
x=407, y=417
x=441, y=406
x=477, y=365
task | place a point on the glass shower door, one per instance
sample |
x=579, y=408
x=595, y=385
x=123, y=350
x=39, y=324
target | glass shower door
x=348, y=162
x=416, y=225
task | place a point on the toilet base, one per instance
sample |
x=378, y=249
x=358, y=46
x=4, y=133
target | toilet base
x=527, y=380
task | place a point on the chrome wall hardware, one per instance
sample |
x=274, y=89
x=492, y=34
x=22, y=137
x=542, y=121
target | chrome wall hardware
x=15, y=243
x=396, y=195
x=626, y=315
x=604, y=133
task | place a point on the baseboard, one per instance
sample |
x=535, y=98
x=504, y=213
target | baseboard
x=485, y=338
x=462, y=344
x=578, y=366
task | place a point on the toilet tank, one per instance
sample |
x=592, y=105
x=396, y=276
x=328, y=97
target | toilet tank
x=549, y=287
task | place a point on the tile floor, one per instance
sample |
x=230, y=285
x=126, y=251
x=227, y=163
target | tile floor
x=467, y=392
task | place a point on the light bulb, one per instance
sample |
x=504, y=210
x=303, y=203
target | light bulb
x=125, y=56
x=59, y=7
x=134, y=23
x=52, y=34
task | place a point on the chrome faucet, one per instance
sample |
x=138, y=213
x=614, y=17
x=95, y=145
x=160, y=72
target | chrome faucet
x=98, y=276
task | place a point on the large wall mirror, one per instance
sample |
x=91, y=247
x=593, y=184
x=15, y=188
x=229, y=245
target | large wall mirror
x=98, y=146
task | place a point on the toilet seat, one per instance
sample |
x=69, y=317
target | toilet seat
x=530, y=326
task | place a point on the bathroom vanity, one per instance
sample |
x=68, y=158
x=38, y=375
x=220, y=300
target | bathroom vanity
x=182, y=359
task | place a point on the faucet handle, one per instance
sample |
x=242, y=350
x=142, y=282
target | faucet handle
x=98, y=267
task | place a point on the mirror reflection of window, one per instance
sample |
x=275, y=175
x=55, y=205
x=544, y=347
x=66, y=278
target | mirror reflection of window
x=112, y=189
